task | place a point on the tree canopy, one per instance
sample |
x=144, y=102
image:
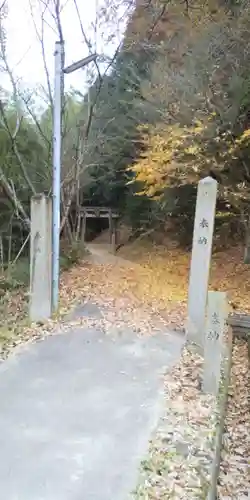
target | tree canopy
x=171, y=106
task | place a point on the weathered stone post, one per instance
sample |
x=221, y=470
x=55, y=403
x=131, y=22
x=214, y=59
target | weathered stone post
x=114, y=236
x=40, y=258
x=83, y=229
x=200, y=260
x=217, y=313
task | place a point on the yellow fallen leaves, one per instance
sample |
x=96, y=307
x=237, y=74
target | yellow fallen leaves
x=149, y=277
x=134, y=282
x=167, y=273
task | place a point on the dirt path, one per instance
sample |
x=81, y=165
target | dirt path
x=85, y=403
x=101, y=253
x=139, y=286
x=125, y=290
x=142, y=291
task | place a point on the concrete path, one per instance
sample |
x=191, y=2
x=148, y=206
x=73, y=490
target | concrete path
x=77, y=411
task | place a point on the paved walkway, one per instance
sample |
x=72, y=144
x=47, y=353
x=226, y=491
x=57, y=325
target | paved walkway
x=77, y=411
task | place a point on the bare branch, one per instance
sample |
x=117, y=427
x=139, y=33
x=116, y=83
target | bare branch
x=13, y=135
x=13, y=198
x=41, y=40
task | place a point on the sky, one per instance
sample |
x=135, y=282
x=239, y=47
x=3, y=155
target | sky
x=24, y=48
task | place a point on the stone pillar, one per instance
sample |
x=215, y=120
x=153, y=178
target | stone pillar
x=83, y=230
x=217, y=313
x=200, y=260
x=110, y=226
x=114, y=236
x=40, y=258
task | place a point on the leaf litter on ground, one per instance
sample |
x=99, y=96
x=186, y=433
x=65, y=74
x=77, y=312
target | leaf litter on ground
x=148, y=280
x=234, y=481
x=181, y=451
x=150, y=286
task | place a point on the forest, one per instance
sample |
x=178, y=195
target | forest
x=165, y=104
x=169, y=107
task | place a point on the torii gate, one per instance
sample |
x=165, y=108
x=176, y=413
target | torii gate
x=102, y=213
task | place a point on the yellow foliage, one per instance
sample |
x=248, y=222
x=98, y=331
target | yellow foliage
x=178, y=154
x=159, y=162
x=244, y=137
x=192, y=149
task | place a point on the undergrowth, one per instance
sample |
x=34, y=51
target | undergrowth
x=14, y=290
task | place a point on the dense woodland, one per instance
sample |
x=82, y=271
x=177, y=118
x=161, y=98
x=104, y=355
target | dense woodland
x=170, y=107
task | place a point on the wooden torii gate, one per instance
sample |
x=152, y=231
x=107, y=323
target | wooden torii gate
x=102, y=213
